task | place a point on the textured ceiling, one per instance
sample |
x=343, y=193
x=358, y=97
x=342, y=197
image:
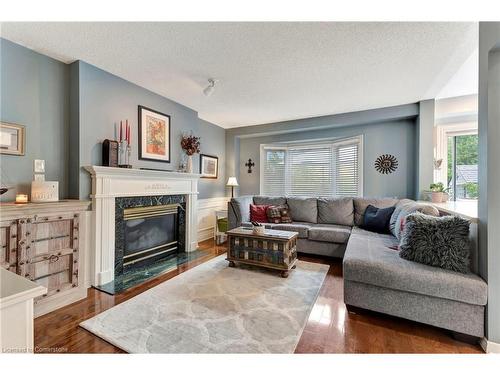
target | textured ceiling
x=267, y=72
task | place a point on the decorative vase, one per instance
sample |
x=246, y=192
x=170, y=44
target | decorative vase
x=189, y=164
x=437, y=197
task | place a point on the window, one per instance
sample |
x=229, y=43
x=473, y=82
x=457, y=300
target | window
x=462, y=166
x=457, y=150
x=312, y=169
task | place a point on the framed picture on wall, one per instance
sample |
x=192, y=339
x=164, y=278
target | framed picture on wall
x=154, y=135
x=12, y=139
x=209, y=166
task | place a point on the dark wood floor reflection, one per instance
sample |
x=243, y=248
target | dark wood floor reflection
x=330, y=328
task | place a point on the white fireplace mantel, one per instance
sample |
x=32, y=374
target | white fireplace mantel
x=109, y=183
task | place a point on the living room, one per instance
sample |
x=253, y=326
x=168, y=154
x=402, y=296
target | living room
x=249, y=187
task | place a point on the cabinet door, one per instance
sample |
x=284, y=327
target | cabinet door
x=8, y=245
x=48, y=251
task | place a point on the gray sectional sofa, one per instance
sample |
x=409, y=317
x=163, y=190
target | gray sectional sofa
x=375, y=277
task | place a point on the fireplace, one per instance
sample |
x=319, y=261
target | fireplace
x=148, y=230
x=151, y=233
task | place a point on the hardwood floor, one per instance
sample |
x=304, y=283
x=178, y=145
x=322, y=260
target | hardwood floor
x=330, y=328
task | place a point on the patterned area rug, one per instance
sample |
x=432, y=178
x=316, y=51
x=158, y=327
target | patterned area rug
x=213, y=308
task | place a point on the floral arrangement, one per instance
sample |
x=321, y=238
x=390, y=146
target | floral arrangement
x=190, y=144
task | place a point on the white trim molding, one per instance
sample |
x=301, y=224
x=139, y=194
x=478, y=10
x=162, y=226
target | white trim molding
x=206, y=216
x=490, y=347
x=109, y=183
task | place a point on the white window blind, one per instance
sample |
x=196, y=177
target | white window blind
x=310, y=171
x=273, y=172
x=324, y=170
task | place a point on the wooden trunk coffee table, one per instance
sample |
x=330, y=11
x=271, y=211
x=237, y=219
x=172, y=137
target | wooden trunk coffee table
x=275, y=249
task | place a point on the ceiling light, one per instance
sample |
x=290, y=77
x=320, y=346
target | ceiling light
x=210, y=88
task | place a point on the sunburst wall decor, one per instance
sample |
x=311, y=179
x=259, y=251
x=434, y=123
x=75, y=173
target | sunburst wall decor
x=386, y=164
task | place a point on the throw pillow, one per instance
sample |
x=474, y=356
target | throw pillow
x=436, y=241
x=377, y=219
x=403, y=209
x=258, y=213
x=278, y=214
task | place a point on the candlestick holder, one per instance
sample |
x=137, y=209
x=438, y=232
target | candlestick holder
x=124, y=152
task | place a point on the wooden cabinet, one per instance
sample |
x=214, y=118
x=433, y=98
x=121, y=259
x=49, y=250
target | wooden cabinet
x=42, y=243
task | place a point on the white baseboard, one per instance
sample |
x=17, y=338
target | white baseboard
x=490, y=346
x=206, y=215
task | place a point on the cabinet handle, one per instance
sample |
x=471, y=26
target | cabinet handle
x=52, y=258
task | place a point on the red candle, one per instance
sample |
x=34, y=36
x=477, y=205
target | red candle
x=128, y=135
x=121, y=130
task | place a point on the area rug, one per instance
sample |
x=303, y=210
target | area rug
x=214, y=308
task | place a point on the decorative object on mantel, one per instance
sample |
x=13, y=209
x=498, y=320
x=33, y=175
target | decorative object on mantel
x=154, y=135
x=249, y=164
x=231, y=181
x=44, y=191
x=124, y=147
x=110, y=153
x=21, y=198
x=386, y=164
x=209, y=166
x=12, y=139
x=191, y=145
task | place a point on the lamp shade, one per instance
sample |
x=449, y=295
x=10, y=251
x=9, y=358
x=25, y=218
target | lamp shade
x=231, y=181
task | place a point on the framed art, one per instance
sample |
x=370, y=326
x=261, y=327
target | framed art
x=154, y=135
x=209, y=166
x=12, y=139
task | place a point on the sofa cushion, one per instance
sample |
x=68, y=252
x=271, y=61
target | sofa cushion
x=369, y=259
x=437, y=241
x=303, y=209
x=360, y=205
x=338, y=211
x=241, y=207
x=301, y=228
x=377, y=219
x=258, y=213
x=330, y=233
x=269, y=201
x=403, y=209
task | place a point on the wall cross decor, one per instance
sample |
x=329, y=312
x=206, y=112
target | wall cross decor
x=249, y=164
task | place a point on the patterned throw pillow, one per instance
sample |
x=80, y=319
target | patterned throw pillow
x=278, y=214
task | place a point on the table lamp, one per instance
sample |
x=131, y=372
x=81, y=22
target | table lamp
x=231, y=181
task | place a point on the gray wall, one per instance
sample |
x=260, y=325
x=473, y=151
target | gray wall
x=386, y=130
x=34, y=93
x=489, y=176
x=425, y=147
x=104, y=99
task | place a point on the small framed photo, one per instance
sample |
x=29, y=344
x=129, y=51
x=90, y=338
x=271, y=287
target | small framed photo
x=12, y=139
x=209, y=166
x=154, y=135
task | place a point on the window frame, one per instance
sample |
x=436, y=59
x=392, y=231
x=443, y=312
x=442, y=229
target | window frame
x=333, y=143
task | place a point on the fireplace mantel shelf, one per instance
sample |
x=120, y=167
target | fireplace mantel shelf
x=134, y=172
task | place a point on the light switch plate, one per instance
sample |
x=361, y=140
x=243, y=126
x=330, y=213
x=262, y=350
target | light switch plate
x=39, y=166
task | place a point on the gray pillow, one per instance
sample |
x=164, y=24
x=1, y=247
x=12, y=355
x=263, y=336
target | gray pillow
x=269, y=201
x=303, y=209
x=403, y=209
x=436, y=241
x=338, y=211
